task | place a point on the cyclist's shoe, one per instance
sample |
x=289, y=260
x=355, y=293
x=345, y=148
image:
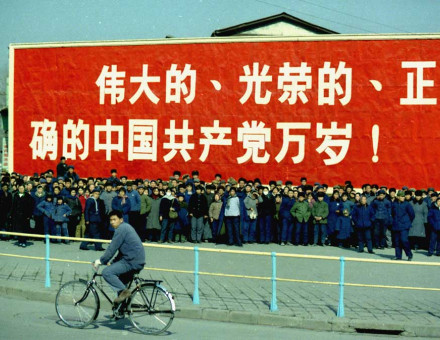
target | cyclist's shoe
x=125, y=294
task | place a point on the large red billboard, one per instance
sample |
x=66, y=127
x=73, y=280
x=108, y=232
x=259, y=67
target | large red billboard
x=363, y=109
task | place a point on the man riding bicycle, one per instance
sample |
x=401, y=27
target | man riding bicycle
x=131, y=256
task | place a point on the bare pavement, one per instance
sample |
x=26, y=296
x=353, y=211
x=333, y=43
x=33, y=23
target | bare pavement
x=231, y=298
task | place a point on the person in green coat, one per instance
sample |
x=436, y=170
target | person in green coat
x=301, y=211
x=320, y=213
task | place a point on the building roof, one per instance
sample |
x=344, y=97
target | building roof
x=282, y=17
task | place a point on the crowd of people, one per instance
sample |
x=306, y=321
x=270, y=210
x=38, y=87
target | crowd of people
x=235, y=212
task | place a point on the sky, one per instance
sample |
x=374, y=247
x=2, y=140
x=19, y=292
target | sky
x=24, y=21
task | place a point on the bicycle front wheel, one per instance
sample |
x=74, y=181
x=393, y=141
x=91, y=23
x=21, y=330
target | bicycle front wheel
x=151, y=309
x=76, y=304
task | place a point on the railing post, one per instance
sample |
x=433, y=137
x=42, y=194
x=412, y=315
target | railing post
x=47, y=285
x=340, y=313
x=273, y=303
x=196, y=299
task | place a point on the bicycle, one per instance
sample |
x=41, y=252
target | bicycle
x=150, y=307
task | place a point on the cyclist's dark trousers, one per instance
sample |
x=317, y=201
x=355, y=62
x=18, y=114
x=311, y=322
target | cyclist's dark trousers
x=114, y=273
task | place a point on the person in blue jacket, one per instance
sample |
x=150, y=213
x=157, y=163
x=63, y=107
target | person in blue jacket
x=122, y=203
x=287, y=220
x=434, y=222
x=403, y=215
x=92, y=217
x=343, y=229
x=47, y=208
x=362, y=217
x=382, y=216
x=334, y=211
x=60, y=216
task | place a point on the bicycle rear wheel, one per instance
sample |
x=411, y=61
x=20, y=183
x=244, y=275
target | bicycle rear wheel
x=76, y=305
x=151, y=309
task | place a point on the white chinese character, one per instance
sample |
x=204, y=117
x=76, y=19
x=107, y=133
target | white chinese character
x=328, y=86
x=142, y=139
x=287, y=138
x=108, y=144
x=255, y=79
x=144, y=80
x=210, y=140
x=110, y=83
x=328, y=142
x=254, y=138
x=294, y=81
x=420, y=83
x=45, y=140
x=71, y=140
x=174, y=146
x=176, y=84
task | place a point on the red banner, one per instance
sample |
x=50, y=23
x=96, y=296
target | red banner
x=330, y=110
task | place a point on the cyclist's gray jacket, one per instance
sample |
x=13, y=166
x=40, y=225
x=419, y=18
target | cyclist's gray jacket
x=127, y=241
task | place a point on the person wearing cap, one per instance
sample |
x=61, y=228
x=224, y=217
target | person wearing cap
x=198, y=211
x=362, y=218
x=21, y=213
x=71, y=174
x=5, y=208
x=287, y=221
x=62, y=167
x=38, y=196
x=382, y=218
x=417, y=233
x=303, y=181
x=403, y=215
x=434, y=224
x=107, y=197
x=301, y=212
x=343, y=229
x=320, y=213
x=92, y=216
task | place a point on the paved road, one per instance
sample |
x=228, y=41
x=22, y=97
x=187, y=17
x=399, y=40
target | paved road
x=309, y=301
x=21, y=319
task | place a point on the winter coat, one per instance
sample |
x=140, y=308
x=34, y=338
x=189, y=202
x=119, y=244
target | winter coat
x=286, y=205
x=249, y=203
x=421, y=217
x=362, y=216
x=434, y=217
x=153, y=217
x=124, y=208
x=165, y=206
x=145, y=204
x=47, y=208
x=135, y=200
x=107, y=197
x=5, y=206
x=21, y=212
x=343, y=227
x=61, y=213
x=198, y=206
x=74, y=204
x=301, y=211
x=215, y=209
x=320, y=209
x=267, y=206
x=403, y=215
x=349, y=205
x=91, y=213
x=382, y=209
x=37, y=200
x=334, y=210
